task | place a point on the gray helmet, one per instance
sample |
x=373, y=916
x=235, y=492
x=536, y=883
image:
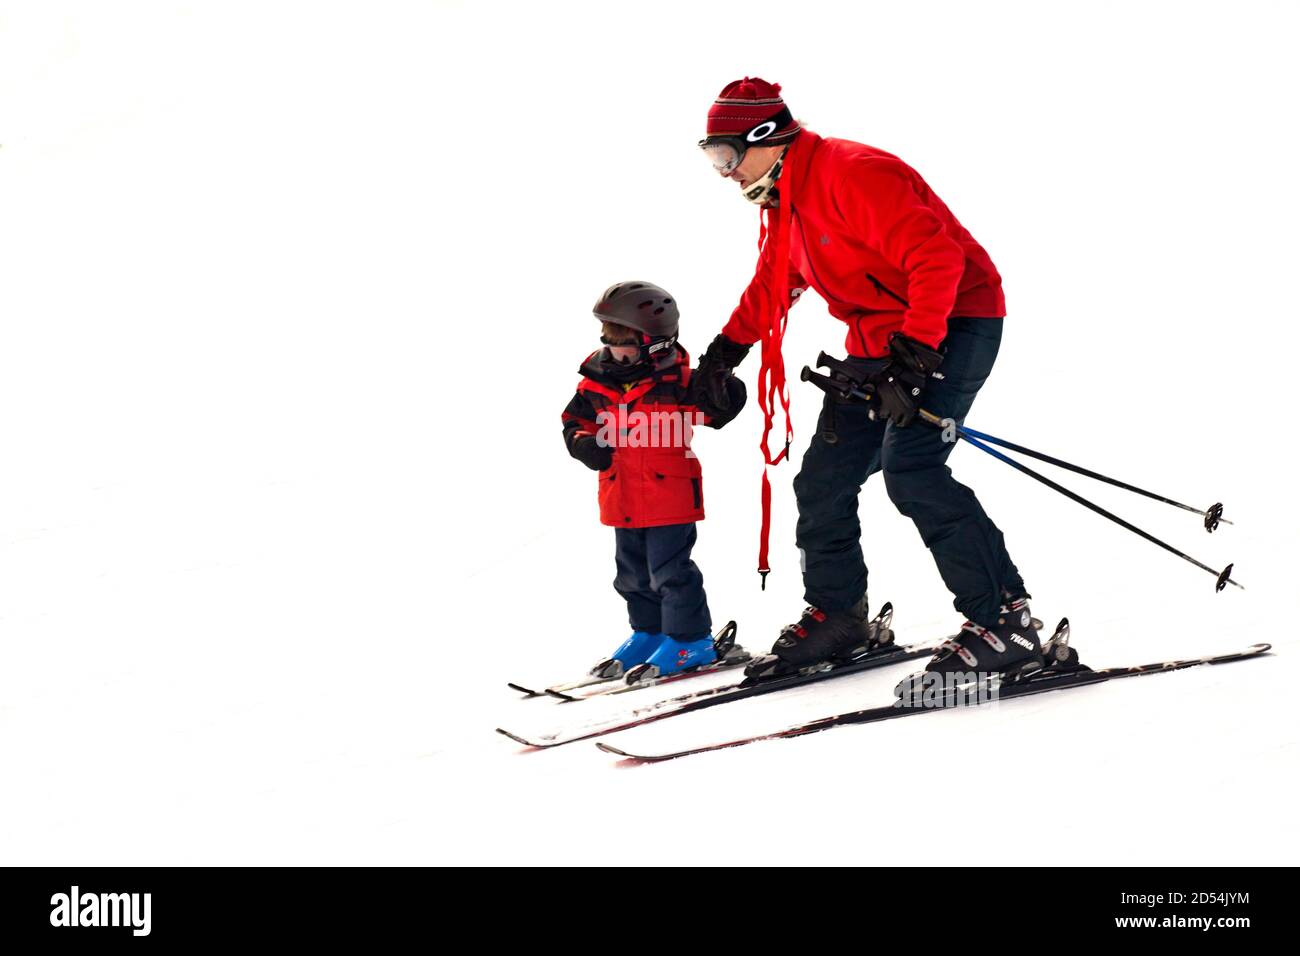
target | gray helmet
x=643, y=306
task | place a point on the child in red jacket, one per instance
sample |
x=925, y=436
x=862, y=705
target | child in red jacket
x=630, y=421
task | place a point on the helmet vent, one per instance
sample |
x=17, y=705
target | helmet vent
x=659, y=311
x=646, y=304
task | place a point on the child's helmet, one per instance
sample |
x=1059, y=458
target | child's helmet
x=643, y=306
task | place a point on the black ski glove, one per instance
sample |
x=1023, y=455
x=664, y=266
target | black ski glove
x=714, y=389
x=588, y=450
x=900, y=385
x=736, y=397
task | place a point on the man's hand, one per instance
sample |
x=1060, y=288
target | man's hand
x=900, y=385
x=714, y=390
x=587, y=449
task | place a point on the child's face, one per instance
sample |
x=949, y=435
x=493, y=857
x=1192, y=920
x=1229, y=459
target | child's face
x=624, y=344
x=624, y=354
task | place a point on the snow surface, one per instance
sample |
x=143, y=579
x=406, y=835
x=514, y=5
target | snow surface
x=294, y=293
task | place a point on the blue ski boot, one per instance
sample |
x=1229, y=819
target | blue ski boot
x=635, y=650
x=673, y=655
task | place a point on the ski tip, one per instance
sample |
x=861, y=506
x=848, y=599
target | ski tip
x=526, y=691
x=560, y=695
x=630, y=759
x=1260, y=648
x=515, y=737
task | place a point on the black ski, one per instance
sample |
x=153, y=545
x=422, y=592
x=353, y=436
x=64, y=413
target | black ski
x=1045, y=680
x=713, y=696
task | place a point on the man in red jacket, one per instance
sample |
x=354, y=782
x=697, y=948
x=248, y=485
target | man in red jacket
x=923, y=305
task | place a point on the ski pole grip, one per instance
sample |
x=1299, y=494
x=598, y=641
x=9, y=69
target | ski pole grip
x=824, y=382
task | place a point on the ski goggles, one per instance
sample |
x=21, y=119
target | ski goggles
x=727, y=152
x=625, y=353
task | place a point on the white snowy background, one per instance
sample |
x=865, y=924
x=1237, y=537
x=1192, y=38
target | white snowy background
x=292, y=294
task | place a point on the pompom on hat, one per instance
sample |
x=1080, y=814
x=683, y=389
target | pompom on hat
x=747, y=103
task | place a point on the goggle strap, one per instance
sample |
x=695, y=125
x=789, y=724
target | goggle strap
x=743, y=140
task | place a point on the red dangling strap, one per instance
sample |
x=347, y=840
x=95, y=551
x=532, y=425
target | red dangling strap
x=771, y=373
x=763, y=530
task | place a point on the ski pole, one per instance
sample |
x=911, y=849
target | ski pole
x=850, y=390
x=1213, y=515
x=1223, y=578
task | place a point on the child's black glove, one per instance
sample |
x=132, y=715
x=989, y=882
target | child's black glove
x=736, y=397
x=712, y=390
x=588, y=450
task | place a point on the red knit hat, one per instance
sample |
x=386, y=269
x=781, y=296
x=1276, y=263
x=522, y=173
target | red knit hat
x=744, y=104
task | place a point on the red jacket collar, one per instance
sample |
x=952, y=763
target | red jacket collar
x=798, y=159
x=680, y=369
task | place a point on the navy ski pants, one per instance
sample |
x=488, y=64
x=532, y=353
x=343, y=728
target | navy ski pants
x=967, y=546
x=663, y=587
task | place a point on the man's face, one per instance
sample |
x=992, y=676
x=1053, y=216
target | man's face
x=757, y=161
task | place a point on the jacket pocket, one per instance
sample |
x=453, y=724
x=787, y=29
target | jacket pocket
x=675, y=491
x=608, y=494
x=882, y=289
x=675, y=466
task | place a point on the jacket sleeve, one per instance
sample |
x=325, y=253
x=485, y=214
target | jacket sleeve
x=748, y=320
x=883, y=204
x=578, y=416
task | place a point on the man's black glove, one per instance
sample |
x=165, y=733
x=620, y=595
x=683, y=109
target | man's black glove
x=900, y=385
x=588, y=450
x=714, y=389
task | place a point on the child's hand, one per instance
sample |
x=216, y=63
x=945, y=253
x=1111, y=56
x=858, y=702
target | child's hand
x=713, y=386
x=734, y=389
x=588, y=450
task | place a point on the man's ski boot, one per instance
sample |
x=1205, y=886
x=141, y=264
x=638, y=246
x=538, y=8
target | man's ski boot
x=822, y=639
x=1010, y=650
x=673, y=654
x=630, y=653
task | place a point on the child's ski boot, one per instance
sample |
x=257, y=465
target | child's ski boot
x=635, y=650
x=679, y=654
